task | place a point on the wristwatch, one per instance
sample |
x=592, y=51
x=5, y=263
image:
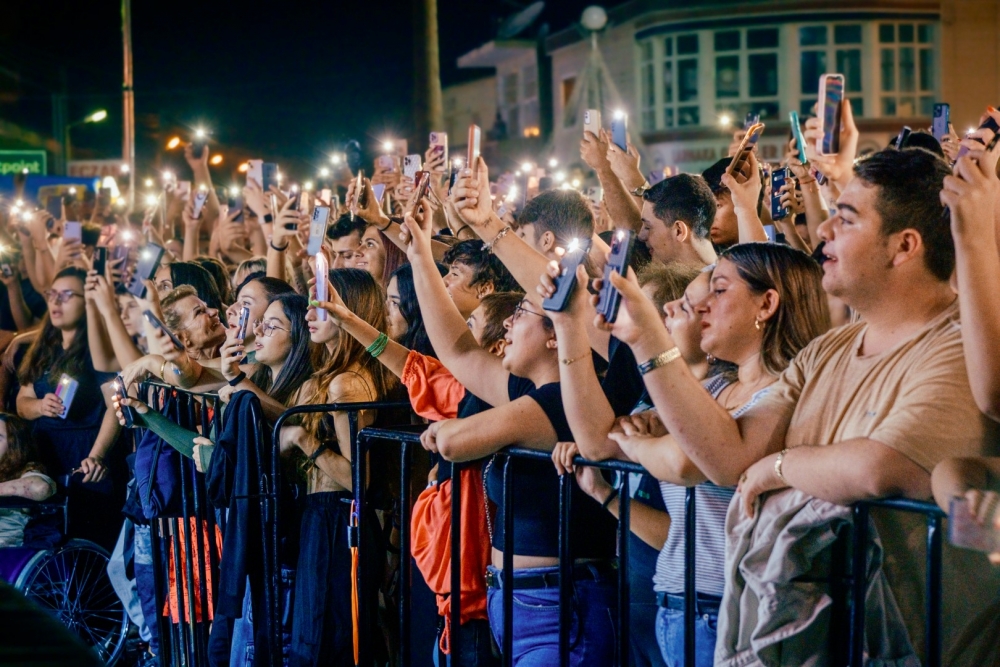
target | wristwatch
x=641, y=190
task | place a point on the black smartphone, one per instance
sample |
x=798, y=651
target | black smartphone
x=104, y=198
x=619, y=130
x=100, y=260
x=942, y=119
x=269, y=175
x=54, y=206
x=199, y=143
x=621, y=255
x=831, y=99
x=155, y=321
x=236, y=204
x=778, y=179
x=901, y=138
x=574, y=256
x=121, y=391
x=149, y=261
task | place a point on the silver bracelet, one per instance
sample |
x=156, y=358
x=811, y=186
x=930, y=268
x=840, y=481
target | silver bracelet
x=488, y=247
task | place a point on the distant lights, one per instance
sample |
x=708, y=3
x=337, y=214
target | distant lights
x=243, y=167
x=553, y=163
x=151, y=200
x=173, y=143
x=559, y=176
x=576, y=182
x=216, y=160
x=124, y=169
x=335, y=159
x=149, y=182
x=168, y=176
x=725, y=120
x=526, y=167
x=307, y=186
x=324, y=172
x=72, y=191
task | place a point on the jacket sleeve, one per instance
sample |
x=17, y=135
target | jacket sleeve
x=434, y=392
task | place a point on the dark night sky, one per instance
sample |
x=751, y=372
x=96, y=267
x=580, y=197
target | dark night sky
x=283, y=80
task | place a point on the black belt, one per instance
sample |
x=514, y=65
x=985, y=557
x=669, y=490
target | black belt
x=704, y=604
x=596, y=571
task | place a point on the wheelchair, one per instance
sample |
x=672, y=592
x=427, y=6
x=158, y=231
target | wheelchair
x=67, y=578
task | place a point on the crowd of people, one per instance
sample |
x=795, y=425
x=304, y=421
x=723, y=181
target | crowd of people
x=784, y=381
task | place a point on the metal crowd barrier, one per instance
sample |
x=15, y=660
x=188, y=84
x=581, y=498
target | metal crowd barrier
x=859, y=557
x=195, y=568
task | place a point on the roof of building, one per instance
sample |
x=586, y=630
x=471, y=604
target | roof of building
x=494, y=52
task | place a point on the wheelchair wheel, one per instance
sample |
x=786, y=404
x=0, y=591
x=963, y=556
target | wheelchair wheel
x=72, y=583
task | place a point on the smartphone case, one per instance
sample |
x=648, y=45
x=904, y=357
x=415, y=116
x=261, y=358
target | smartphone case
x=439, y=146
x=942, y=118
x=128, y=412
x=243, y=323
x=831, y=99
x=592, y=121
x=475, y=136
x=200, y=198
x=411, y=165
x=155, y=321
x=100, y=260
x=778, y=179
x=317, y=229
x=989, y=124
x=269, y=175
x=255, y=172
x=619, y=132
x=66, y=391
x=73, y=231
x=322, y=285
x=567, y=278
x=743, y=152
x=621, y=254
x=800, y=140
x=145, y=269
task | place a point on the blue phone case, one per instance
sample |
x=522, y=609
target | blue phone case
x=66, y=391
x=621, y=254
x=800, y=140
x=619, y=132
x=567, y=279
x=942, y=118
x=778, y=178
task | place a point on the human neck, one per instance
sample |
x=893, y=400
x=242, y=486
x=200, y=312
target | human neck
x=698, y=252
x=751, y=372
x=544, y=371
x=698, y=367
x=896, y=314
x=67, y=337
x=201, y=354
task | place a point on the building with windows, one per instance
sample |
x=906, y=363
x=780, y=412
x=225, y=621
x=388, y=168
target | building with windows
x=691, y=72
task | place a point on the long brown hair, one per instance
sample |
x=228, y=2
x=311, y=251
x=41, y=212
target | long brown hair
x=802, y=314
x=46, y=354
x=22, y=454
x=365, y=298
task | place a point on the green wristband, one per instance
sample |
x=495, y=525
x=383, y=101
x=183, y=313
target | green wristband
x=378, y=347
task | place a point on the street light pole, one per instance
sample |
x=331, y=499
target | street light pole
x=128, y=103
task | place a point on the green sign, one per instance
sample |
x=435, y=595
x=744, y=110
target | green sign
x=16, y=162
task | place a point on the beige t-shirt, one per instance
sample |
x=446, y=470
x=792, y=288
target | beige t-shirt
x=914, y=398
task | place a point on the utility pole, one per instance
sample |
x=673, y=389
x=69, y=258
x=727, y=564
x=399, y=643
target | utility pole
x=128, y=104
x=427, y=95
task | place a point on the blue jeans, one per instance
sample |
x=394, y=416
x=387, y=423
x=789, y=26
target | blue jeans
x=476, y=649
x=645, y=649
x=241, y=651
x=593, y=631
x=670, y=636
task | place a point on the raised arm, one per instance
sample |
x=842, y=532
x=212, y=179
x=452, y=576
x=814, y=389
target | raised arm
x=622, y=207
x=745, y=189
x=123, y=347
x=392, y=357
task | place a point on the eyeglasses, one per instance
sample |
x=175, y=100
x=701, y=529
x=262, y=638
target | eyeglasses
x=266, y=328
x=521, y=309
x=60, y=296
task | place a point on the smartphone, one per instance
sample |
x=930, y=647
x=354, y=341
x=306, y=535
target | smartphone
x=73, y=231
x=439, y=146
x=255, y=172
x=236, y=204
x=800, y=140
x=750, y=120
x=200, y=198
x=269, y=175
x=66, y=390
x=317, y=229
x=411, y=165
x=54, y=206
x=594, y=194
x=942, y=119
x=379, y=191
x=243, y=324
x=592, y=122
x=735, y=167
x=6, y=269
x=452, y=176
x=322, y=284
x=128, y=412
x=104, y=198
x=359, y=186
x=901, y=138
x=199, y=144
x=155, y=321
x=422, y=183
x=475, y=136
x=385, y=163
x=772, y=234
x=621, y=255
x=574, y=256
x=965, y=532
x=619, y=130
x=778, y=179
x=145, y=269
x=831, y=100
x=989, y=124
x=100, y=260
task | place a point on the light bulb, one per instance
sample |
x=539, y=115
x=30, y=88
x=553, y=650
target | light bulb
x=173, y=143
x=149, y=182
x=324, y=172
x=150, y=200
x=526, y=167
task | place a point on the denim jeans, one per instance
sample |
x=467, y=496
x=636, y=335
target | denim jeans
x=670, y=635
x=475, y=649
x=142, y=563
x=124, y=586
x=593, y=630
x=644, y=647
x=241, y=653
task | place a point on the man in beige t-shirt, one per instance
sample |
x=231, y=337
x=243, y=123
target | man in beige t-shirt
x=867, y=410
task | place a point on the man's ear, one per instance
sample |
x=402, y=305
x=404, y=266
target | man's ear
x=681, y=231
x=485, y=289
x=547, y=242
x=498, y=347
x=908, y=244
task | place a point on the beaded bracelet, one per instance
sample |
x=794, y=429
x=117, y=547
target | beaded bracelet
x=378, y=346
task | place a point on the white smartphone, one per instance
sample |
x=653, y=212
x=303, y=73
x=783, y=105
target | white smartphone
x=322, y=284
x=73, y=231
x=592, y=121
x=317, y=229
x=411, y=165
x=200, y=198
x=255, y=172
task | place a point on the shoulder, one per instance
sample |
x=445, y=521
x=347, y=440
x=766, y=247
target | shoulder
x=352, y=385
x=518, y=387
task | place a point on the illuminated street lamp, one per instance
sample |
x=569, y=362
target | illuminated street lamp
x=95, y=117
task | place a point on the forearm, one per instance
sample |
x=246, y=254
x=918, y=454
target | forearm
x=649, y=525
x=272, y=408
x=391, y=229
x=953, y=477
x=337, y=468
x=30, y=266
x=705, y=432
x=106, y=436
x=28, y=407
x=524, y=262
x=846, y=472
x=786, y=226
x=276, y=261
x=978, y=267
x=258, y=244
x=124, y=347
x=44, y=267
x=191, y=233
x=751, y=229
x=393, y=357
x=23, y=318
x=667, y=462
x=816, y=210
x=588, y=412
x=101, y=351
x=622, y=206
x=31, y=487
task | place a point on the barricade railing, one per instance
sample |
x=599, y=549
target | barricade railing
x=932, y=596
x=185, y=545
x=848, y=634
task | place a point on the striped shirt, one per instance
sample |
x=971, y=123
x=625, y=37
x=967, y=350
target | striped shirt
x=711, y=503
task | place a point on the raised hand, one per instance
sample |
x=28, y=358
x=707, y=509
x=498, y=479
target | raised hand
x=471, y=195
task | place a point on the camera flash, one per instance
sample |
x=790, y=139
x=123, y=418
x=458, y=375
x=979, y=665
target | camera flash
x=26, y=216
x=294, y=188
x=324, y=172
x=457, y=162
x=150, y=200
x=72, y=191
x=234, y=191
x=619, y=114
x=199, y=133
x=149, y=182
x=620, y=235
x=574, y=244
x=526, y=167
x=167, y=176
x=334, y=159
x=307, y=186
x=387, y=146
x=146, y=254
x=553, y=163
x=19, y=203
x=127, y=235
x=125, y=169
x=559, y=176
x=576, y=182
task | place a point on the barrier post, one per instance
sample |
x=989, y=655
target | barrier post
x=624, y=594
x=934, y=590
x=565, y=568
x=455, y=639
x=405, y=573
x=508, y=563
x=690, y=590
